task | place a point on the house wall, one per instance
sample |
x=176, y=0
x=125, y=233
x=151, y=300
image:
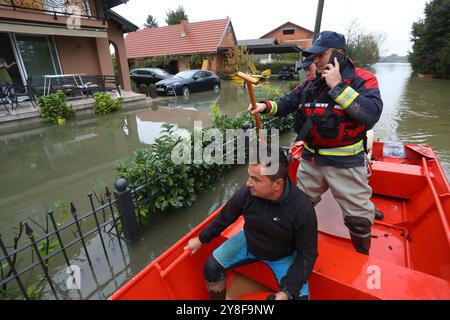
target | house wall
x=96, y=56
x=115, y=36
x=217, y=62
x=78, y=55
x=183, y=63
x=228, y=39
x=301, y=37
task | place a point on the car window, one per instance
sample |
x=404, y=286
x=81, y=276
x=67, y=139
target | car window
x=202, y=74
x=188, y=74
x=160, y=72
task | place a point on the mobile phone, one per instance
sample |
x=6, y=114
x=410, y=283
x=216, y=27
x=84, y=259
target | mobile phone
x=340, y=57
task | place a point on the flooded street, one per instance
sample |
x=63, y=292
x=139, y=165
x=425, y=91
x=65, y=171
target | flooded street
x=43, y=165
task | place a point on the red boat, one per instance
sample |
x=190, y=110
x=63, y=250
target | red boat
x=409, y=257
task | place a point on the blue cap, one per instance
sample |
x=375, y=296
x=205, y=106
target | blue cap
x=324, y=41
x=307, y=62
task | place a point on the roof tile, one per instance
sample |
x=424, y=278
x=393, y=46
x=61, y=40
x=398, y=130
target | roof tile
x=201, y=37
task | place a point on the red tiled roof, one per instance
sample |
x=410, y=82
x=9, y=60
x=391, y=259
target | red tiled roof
x=201, y=37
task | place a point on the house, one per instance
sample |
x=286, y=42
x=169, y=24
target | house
x=287, y=38
x=209, y=40
x=264, y=48
x=290, y=33
x=49, y=37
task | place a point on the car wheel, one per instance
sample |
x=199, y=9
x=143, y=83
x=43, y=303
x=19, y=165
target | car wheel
x=185, y=91
x=216, y=87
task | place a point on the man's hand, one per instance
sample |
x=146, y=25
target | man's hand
x=332, y=74
x=194, y=244
x=260, y=107
x=281, y=296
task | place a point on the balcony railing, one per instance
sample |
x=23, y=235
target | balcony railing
x=55, y=7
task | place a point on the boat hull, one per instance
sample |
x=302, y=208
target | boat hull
x=409, y=258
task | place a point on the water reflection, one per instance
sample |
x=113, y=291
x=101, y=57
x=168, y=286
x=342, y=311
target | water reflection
x=392, y=80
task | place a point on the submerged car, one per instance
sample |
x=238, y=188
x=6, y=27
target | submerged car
x=287, y=73
x=189, y=81
x=148, y=75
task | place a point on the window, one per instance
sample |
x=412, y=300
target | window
x=38, y=54
x=202, y=74
x=288, y=31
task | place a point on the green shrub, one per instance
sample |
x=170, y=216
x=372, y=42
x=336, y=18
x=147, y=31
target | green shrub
x=143, y=89
x=152, y=90
x=54, y=108
x=195, y=59
x=104, y=103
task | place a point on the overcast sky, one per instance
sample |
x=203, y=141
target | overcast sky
x=252, y=19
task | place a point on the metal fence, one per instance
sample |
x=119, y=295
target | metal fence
x=119, y=220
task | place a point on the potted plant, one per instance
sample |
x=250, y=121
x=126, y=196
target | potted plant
x=152, y=90
x=143, y=89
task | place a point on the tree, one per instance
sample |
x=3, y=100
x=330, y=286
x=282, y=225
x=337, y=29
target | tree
x=151, y=22
x=175, y=17
x=431, y=43
x=362, y=47
x=238, y=59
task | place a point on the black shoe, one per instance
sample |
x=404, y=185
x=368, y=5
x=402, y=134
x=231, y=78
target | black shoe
x=217, y=295
x=361, y=244
x=379, y=215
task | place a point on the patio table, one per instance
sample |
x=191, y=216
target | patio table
x=49, y=77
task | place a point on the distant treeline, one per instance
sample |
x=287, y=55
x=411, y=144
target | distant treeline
x=393, y=58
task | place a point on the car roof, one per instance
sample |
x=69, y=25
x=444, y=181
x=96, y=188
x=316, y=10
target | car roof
x=148, y=69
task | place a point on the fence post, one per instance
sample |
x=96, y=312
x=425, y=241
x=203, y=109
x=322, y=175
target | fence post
x=127, y=214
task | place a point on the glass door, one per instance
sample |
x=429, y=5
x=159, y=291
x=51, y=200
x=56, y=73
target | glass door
x=38, y=55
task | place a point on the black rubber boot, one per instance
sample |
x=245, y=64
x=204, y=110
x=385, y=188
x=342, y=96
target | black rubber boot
x=379, y=215
x=217, y=295
x=217, y=290
x=361, y=244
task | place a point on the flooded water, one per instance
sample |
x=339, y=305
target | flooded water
x=43, y=165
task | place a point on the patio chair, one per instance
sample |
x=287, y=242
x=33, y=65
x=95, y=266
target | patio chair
x=4, y=97
x=17, y=94
x=110, y=83
x=89, y=86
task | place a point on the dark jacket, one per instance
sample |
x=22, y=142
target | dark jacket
x=274, y=229
x=365, y=109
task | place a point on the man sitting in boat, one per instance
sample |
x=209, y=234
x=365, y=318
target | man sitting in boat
x=333, y=113
x=280, y=230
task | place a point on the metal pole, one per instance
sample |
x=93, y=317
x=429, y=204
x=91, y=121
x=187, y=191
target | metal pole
x=125, y=207
x=318, y=18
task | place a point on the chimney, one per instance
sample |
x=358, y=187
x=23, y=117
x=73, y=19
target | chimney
x=184, y=30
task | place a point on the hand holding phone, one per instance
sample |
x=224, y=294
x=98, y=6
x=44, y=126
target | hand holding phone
x=332, y=71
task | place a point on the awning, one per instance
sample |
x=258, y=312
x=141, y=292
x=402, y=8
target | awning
x=51, y=30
